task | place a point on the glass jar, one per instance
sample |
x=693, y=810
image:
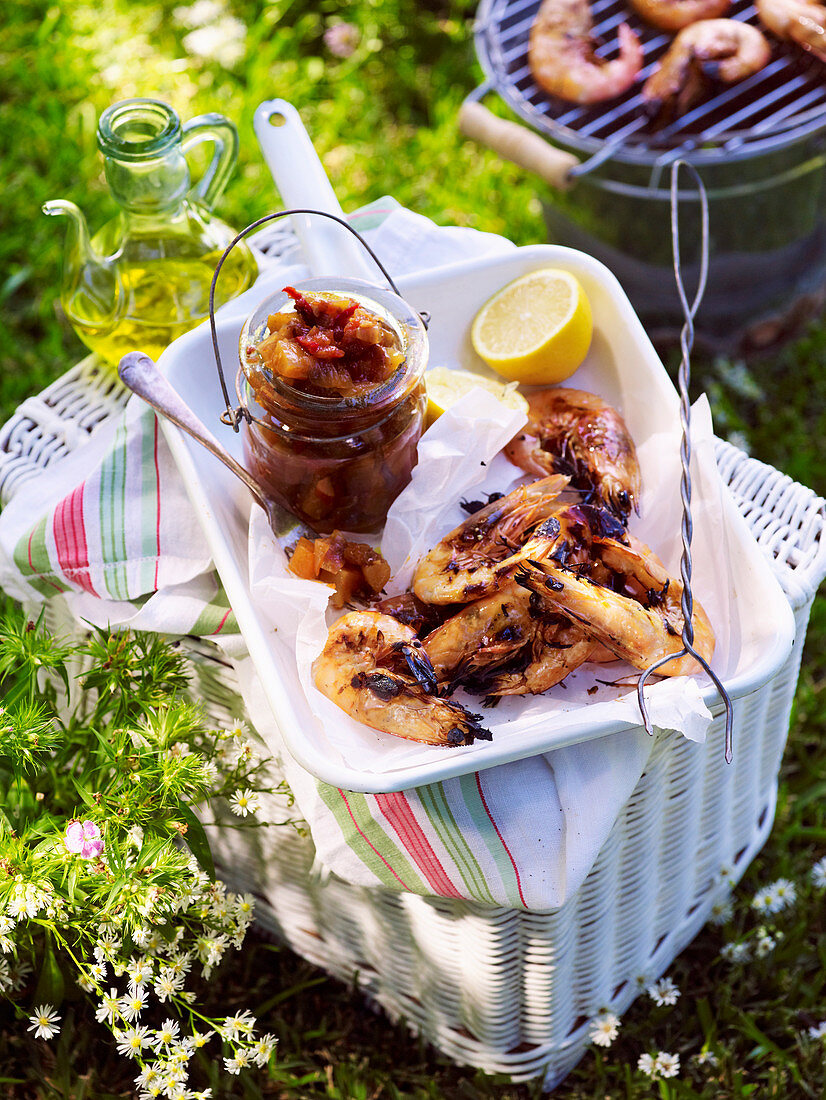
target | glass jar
x=335, y=460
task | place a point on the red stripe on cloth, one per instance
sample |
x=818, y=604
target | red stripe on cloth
x=158, y=511
x=398, y=813
x=501, y=838
x=369, y=845
x=70, y=540
x=220, y=625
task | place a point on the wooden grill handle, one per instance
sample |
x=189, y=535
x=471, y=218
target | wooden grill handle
x=518, y=144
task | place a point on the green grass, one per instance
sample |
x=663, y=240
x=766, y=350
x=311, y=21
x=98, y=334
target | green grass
x=384, y=122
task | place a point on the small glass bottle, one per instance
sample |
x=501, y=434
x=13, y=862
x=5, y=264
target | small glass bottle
x=143, y=279
x=336, y=461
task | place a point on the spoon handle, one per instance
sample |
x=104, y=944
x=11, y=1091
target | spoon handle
x=140, y=375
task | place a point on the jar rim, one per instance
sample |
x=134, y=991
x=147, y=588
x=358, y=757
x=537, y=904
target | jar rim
x=160, y=121
x=387, y=305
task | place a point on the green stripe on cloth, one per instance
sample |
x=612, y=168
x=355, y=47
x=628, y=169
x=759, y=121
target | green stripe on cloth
x=31, y=556
x=217, y=617
x=150, y=519
x=368, y=840
x=112, y=512
x=484, y=826
x=440, y=816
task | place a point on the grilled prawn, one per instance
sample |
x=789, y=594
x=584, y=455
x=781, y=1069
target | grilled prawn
x=562, y=59
x=673, y=15
x=576, y=433
x=638, y=617
x=471, y=561
x=800, y=21
x=709, y=52
x=376, y=670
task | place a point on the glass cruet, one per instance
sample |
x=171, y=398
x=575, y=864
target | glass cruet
x=144, y=278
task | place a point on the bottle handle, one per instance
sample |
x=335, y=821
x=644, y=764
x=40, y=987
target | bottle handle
x=223, y=134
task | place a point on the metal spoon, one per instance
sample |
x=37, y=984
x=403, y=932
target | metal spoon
x=140, y=375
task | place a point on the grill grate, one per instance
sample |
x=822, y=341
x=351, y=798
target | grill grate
x=781, y=103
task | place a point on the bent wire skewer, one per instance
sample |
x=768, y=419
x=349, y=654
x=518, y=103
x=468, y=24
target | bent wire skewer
x=684, y=379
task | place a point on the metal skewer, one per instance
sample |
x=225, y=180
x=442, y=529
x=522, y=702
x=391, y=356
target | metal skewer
x=684, y=379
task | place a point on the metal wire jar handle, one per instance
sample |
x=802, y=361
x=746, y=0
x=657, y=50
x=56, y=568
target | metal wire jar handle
x=232, y=416
x=684, y=379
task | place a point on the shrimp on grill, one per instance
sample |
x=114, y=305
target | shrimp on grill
x=376, y=670
x=562, y=59
x=673, y=15
x=471, y=560
x=800, y=21
x=707, y=53
x=505, y=644
x=576, y=433
x=639, y=618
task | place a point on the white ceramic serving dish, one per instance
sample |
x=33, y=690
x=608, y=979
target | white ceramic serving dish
x=755, y=631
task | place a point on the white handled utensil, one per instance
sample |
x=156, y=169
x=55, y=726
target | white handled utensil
x=302, y=183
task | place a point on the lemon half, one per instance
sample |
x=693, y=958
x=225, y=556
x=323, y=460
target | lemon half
x=535, y=330
x=445, y=386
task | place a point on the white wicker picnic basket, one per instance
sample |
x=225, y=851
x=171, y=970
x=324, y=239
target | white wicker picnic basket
x=505, y=990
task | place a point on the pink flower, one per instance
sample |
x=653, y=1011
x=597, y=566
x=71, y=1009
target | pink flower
x=83, y=838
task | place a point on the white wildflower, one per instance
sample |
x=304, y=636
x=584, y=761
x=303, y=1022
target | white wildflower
x=663, y=992
x=667, y=1065
x=44, y=1022
x=241, y=1061
x=19, y=975
x=139, y=971
x=6, y=942
x=735, y=952
x=721, y=911
x=647, y=1065
x=775, y=897
x=167, y=1033
x=108, y=1008
x=167, y=984
x=817, y=1032
x=818, y=874
x=706, y=1058
x=244, y=905
x=765, y=943
x=244, y=802
x=262, y=1048
x=133, y=1003
x=604, y=1029
x=131, y=1042
x=5, y=976
x=238, y=1026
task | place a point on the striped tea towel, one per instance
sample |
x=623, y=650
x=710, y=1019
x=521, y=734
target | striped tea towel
x=111, y=530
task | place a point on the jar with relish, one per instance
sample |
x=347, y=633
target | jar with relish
x=333, y=377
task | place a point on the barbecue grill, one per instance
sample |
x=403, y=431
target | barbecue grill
x=759, y=147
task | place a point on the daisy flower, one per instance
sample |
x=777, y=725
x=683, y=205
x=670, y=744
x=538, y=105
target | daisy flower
x=735, y=952
x=818, y=874
x=244, y=802
x=133, y=1003
x=131, y=1042
x=647, y=1065
x=667, y=1065
x=706, y=1058
x=262, y=1048
x=108, y=1008
x=817, y=1032
x=138, y=971
x=603, y=1031
x=44, y=1022
x=721, y=912
x=663, y=992
x=167, y=1033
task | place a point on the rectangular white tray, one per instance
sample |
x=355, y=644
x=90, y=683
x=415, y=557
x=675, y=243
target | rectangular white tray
x=624, y=369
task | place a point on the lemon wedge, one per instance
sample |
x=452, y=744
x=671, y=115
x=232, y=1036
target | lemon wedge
x=445, y=386
x=536, y=329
